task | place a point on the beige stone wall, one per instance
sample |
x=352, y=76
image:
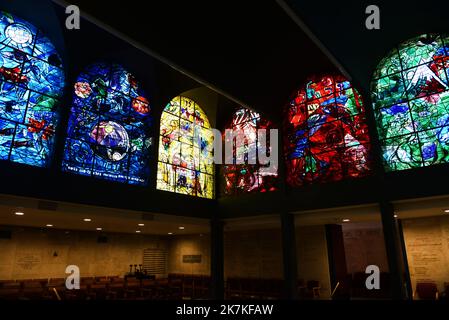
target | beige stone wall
x=364, y=246
x=30, y=253
x=189, y=245
x=253, y=254
x=427, y=246
x=313, y=263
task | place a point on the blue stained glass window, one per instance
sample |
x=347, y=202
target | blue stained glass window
x=109, y=129
x=31, y=83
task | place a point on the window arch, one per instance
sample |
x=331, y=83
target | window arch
x=185, y=150
x=326, y=137
x=109, y=129
x=411, y=103
x=245, y=178
x=31, y=84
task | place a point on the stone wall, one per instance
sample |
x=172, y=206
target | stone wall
x=427, y=246
x=313, y=262
x=253, y=254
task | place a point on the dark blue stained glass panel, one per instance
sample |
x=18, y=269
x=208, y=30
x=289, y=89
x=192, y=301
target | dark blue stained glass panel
x=31, y=83
x=109, y=129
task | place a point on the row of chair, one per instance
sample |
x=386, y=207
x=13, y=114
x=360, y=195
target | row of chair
x=249, y=288
x=175, y=286
x=193, y=286
x=310, y=289
x=428, y=290
x=353, y=286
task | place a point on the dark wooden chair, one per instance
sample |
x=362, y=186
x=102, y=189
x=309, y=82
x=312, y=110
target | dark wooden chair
x=32, y=290
x=233, y=288
x=314, y=288
x=426, y=291
x=148, y=289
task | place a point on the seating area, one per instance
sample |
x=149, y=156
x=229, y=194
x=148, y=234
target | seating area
x=427, y=291
x=249, y=288
x=310, y=289
x=175, y=287
x=353, y=286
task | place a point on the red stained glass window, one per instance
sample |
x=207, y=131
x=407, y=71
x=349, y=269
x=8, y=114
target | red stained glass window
x=247, y=177
x=326, y=135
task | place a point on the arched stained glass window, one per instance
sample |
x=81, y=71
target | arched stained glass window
x=185, y=150
x=109, y=130
x=245, y=178
x=31, y=83
x=326, y=133
x=411, y=102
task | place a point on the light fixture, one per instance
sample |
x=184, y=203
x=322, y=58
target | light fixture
x=87, y=220
x=99, y=229
x=141, y=225
x=49, y=225
x=137, y=231
x=170, y=233
x=181, y=228
x=346, y=220
x=19, y=213
x=395, y=215
x=446, y=211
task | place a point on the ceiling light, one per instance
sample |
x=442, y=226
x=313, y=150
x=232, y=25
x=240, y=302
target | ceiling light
x=19, y=213
x=346, y=220
x=181, y=228
x=87, y=220
x=446, y=211
x=99, y=229
x=137, y=231
x=49, y=225
x=170, y=233
x=141, y=225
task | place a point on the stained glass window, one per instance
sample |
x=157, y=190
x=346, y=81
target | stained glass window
x=411, y=102
x=31, y=83
x=326, y=133
x=249, y=177
x=109, y=129
x=185, y=150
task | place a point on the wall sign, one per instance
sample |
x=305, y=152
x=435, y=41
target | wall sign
x=193, y=258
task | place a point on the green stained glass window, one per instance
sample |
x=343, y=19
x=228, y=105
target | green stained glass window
x=411, y=98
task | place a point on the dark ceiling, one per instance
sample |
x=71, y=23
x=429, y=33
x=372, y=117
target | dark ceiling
x=252, y=50
x=340, y=26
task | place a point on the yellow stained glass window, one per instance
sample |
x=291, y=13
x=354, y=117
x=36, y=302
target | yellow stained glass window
x=185, y=150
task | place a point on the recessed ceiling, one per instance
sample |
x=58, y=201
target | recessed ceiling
x=72, y=217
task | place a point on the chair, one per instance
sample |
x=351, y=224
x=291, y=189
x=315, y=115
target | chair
x=32, y=290
x=116, y=289
x=314, y=288
x=188, y=287
x=446, y=291
x=148, y=289
x=233, y=288
x=162, y=289
x=426, y=291
x=132, y=289
x=9, y=293
x=358, y=287
x=302, y=288
x=175, y=288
